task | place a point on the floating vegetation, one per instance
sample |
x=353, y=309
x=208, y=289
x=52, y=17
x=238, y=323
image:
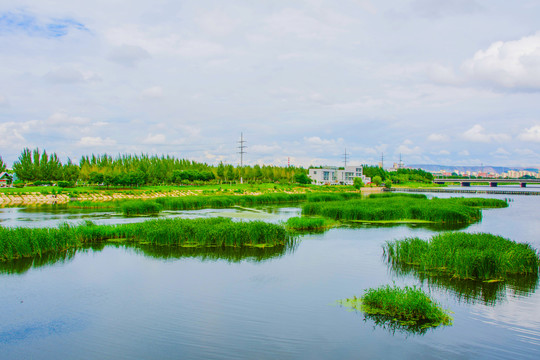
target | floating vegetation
x=481, y=256
x=396, y=194
x=140, y=207
x=407, y=308
x=307, y=223
x=395, y=208
x=215, y=232
x=481, y=202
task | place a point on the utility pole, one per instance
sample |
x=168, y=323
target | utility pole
x=382, y=160
x=345, y=157
x=242, y=152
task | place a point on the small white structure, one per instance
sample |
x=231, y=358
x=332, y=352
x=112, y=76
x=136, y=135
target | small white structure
x=333, y=176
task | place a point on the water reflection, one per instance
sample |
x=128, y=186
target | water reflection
x=428, y=226
x=394, y=326
x=472, y=291
x=229, y=254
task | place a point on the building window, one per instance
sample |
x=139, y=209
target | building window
x=326, y=175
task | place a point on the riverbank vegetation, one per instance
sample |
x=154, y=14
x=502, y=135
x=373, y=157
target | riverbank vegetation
x=481, y=256
x=308, y=223
x=214, y=232
x=401, y=207
x=408, y=307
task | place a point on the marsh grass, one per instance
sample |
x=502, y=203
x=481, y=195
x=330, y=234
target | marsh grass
x=307, y=223
x=395, y=208
x=408, y=307
x=461, y=255
x=140, y=207
x=214, y=232
x=395, y=194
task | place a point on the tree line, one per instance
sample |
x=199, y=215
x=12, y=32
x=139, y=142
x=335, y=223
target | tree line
x=137, y=170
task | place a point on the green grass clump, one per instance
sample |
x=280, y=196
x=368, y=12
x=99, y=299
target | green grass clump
x=466, y=256
x=393, y=195
x=140, y=207
x=215, y=232
x=408, y=306
x=481, y=202
x=395, y=208
x=306, y=223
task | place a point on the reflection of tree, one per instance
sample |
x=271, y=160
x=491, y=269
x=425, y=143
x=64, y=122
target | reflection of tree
x=471, y=291
x=393, y=325
x=227, y=253
x=230, y=254
x=20, y=266
x=429, y=226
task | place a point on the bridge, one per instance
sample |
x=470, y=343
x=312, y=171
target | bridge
x=492, y=182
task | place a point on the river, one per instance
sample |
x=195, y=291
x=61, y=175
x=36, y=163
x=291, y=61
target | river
x=118, y=302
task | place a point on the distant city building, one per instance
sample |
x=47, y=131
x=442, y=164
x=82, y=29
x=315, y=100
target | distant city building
x=334, y=176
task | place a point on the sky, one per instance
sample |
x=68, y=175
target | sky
x=453, y=82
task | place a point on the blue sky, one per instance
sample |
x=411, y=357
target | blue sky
x=445, y=82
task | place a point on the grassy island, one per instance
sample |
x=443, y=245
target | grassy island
x=407, y=307
x=404, y=208
x=214, y=232
x=460, y=255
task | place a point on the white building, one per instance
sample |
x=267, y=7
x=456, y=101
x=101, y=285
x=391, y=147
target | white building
x=334, y=176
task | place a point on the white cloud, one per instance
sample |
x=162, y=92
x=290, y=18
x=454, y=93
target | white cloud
x=500, y=152
x=155, y=139
x=153, y=92
x=11, y=135
x=265, y=149
x=317, y=141
x=437, y=137
x=63, y=119
x=478, y=134
x=531, y=134
x=464, y=153
x=89, y=141
x=128, y=55
x=510, y=64
x=437, y=8
x=443, y=75
x=3, y=101
x=406, y=148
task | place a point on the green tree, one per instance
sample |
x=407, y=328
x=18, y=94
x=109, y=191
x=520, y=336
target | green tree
x=358, y=183
x=24, y=167
x=388, y=183
x=376, y=180
x=302, y=178
x=3, y=166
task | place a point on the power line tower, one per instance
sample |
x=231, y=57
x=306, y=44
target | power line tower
x=382, y=160
x=345, y=157
x=242, y=152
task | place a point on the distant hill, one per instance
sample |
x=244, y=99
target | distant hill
x=450, y=168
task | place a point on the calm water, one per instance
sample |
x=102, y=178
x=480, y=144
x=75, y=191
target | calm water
x=124, y=303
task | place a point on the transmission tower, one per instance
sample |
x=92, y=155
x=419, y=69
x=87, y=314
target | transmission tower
x=242, y=152
x=345, y=157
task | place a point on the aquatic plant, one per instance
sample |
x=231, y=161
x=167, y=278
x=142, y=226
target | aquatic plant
x=397, y=194
x=408, y=306
x=140, y=207
x=395, y=208
x=26, y=242
x=466, y=256
x=306, y=223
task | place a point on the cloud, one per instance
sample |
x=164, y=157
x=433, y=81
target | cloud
x=406, y=148
x=153, y=92
x=29, y=24
x=62, y=119
x=265, y=149
x=511, y=64
x=89, y=141
x=438, y=9
x=11, y=135
x=464, y=153
x=128, y=55
x=443, y=75
x=531, y=134
x=67, y=75
x=500, y=152
x=155, y=139
x=437, y=137
x=478, y=134
x=3, y=101
x=317, y=141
